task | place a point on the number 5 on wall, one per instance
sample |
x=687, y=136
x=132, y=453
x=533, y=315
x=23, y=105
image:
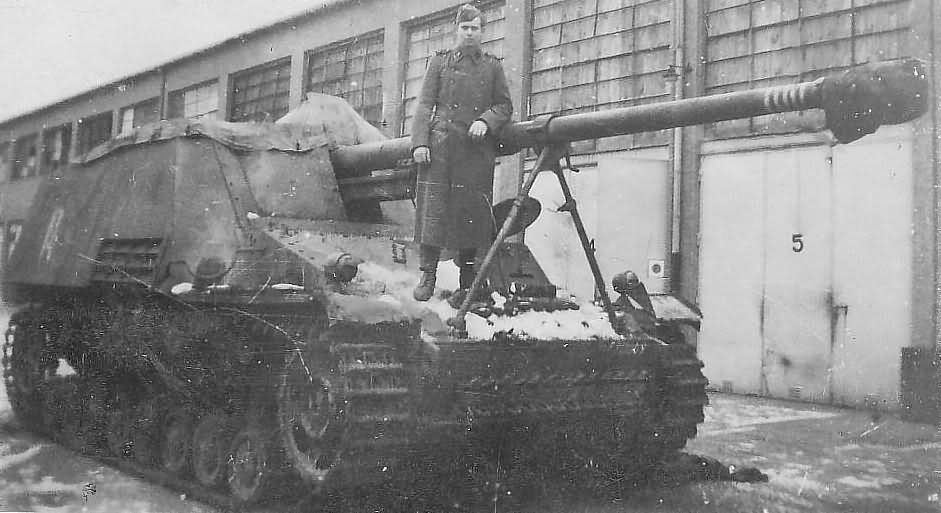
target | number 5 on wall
x=798, y=240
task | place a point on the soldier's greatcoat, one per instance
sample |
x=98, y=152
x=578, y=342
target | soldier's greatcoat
x=454, y=192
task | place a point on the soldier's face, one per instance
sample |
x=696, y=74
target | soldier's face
x=468, y=32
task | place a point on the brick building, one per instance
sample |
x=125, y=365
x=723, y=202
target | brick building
x=815, y=265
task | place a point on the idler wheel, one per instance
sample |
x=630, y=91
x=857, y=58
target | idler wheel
x=210, y=449
x=311, y=423
x=26, y=362
x=251, y=465
x=177, y=436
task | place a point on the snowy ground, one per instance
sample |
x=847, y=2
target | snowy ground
x=818, y=459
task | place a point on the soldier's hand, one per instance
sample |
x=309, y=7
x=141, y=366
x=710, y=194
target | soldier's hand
x=421, y=155
x=478, y=130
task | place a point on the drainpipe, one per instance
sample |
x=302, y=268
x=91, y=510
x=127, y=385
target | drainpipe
x=679, y=79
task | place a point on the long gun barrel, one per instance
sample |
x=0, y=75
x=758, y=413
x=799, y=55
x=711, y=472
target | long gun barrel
x=856, y=103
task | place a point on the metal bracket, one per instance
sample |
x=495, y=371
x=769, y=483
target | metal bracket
x=539, y=129
x=548, y=160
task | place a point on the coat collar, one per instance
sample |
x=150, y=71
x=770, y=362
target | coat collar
x=474, y=53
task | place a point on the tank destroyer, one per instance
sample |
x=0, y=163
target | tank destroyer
x=227, y=307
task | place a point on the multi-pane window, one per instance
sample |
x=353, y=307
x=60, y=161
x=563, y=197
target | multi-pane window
x=138, y=115
x=591, y=55
x=25, y=156
x=56, y=144
x=351, y=70
x=261, y=93
x=437, y=33
x=762, y=43
x=194, y=102
x=5, y=161
x=93, y=131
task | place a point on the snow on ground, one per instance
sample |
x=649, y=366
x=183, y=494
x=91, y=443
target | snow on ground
x=823, y=458
x=733, y=420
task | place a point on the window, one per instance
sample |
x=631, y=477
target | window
x=138, y=115
x=57, y=142
x=25, y=156
x=5, y=161
x=93, y=131
x=351, y=70
x=127, y=121
x=195, y=102
x=437, y=33
x=758, y=43
x=261, y=93
x=591, y=56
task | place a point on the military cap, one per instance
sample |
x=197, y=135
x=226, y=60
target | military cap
x=468, y=12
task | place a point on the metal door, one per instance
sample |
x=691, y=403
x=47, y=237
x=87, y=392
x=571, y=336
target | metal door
x=796, y=306
x=731, y=270
x=873, y=268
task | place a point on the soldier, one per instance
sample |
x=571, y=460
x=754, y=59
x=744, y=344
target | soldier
x=639, y=318
x=463, y=104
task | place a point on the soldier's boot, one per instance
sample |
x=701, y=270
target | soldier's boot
x=426, y=287
x=467, y=277
x=465, y=261
x=428, y=263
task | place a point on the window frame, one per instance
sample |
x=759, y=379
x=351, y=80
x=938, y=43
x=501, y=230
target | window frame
x=48, y=164
x=372, y=39
x=134, y=109
x=177, y=97
x=234, y=104
x=17, y=164
x=84, y=140
x=6, y=160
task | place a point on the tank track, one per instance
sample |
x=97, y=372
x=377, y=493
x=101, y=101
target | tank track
x=321, y=413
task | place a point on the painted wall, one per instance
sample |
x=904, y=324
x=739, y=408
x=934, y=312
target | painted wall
x=624, y=202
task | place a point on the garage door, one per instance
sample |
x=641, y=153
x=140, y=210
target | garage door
x=805, y=271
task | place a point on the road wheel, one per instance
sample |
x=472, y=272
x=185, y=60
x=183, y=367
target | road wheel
x=176, y=449
x=251, y=465
x=209, y=449
x=311, y=424
x=145, y=433
x=120, y=442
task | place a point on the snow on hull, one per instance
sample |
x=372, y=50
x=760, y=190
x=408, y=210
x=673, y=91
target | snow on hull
x=587, y=323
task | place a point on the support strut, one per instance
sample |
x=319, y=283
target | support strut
x=548, y=160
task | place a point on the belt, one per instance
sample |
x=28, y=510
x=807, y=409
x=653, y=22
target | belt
x=451, y=121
